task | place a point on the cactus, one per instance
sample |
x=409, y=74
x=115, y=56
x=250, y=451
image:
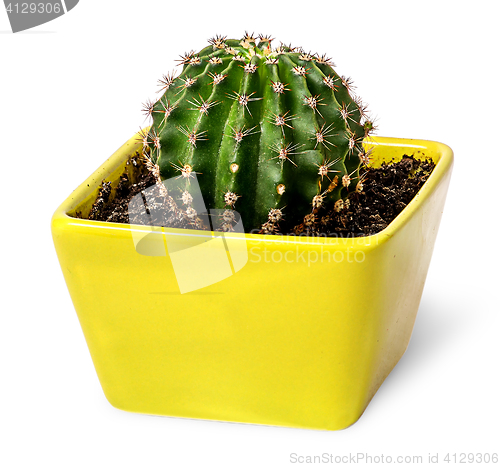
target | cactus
x=273, y=133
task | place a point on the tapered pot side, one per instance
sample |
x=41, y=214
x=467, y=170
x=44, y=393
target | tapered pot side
x=277, y=330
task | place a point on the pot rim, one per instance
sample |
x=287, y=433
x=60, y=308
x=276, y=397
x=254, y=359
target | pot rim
x=440, y=153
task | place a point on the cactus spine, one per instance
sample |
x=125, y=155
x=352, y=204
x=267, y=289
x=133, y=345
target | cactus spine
x=273, y=133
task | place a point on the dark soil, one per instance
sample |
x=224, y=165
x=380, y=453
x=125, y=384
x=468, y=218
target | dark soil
x=113, y=205
x=386, y=192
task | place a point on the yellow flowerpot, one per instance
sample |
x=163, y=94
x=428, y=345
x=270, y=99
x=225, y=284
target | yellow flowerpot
x=291, y=331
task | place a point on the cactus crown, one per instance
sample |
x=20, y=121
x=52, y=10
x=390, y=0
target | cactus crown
x=273, y=133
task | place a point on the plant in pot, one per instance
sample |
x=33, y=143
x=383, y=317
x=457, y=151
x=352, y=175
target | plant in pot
x=190, y=302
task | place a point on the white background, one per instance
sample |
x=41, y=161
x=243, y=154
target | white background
x=71, y=92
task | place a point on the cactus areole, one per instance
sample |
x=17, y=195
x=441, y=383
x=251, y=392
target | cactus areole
x=272, y=133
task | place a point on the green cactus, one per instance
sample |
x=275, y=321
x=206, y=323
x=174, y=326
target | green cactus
x=273, y=133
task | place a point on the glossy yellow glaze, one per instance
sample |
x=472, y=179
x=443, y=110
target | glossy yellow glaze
x=296, y=332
